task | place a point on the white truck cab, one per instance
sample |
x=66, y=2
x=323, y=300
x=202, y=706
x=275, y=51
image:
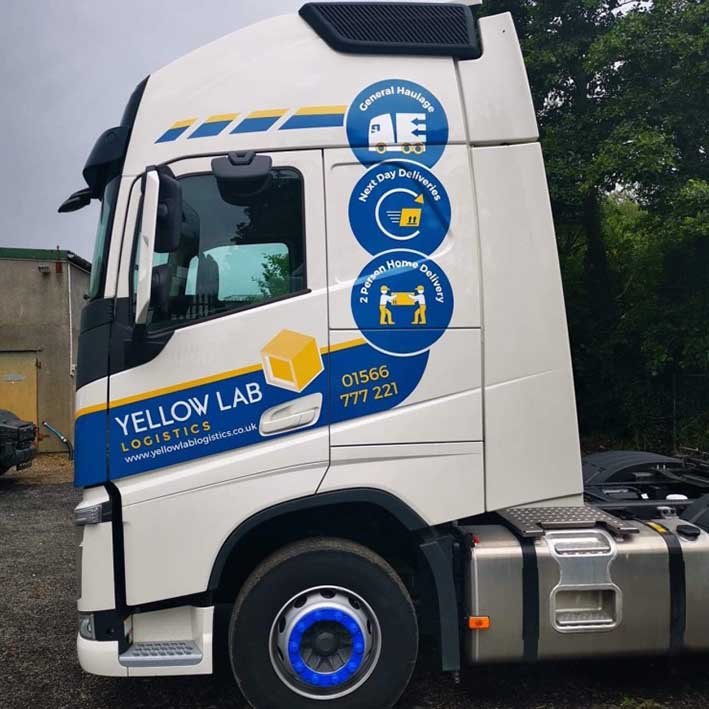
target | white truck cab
x=324, y=385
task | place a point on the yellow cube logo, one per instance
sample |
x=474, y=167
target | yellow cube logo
x=291, y=360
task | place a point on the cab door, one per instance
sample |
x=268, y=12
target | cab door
x=244, y=327
x=230, y=403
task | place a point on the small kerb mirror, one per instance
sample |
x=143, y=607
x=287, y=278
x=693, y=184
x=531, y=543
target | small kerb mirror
x=242, y=175
x=76, y=200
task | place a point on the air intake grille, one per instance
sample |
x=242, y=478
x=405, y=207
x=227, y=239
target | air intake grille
x=395, y=28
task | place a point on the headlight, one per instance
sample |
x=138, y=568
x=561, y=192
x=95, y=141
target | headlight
x=86, y=626
x=92, y=514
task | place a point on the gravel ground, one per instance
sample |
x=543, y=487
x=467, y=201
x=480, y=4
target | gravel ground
x=38, y=666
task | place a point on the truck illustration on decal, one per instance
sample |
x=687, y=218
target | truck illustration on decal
x=401, y=132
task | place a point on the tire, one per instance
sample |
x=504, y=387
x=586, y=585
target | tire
x=287, y=645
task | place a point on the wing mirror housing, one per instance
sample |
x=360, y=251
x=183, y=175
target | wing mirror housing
x=169, y=216
x=160, y=230
x=106, y=159
x=242, y=175
x=76, y=200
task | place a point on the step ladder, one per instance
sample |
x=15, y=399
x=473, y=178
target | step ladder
x=166, y=653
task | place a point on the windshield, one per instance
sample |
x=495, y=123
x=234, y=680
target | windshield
x=98, y=266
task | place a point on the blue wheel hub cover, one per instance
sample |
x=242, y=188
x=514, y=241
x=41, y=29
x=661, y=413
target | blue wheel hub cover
x=350, y=628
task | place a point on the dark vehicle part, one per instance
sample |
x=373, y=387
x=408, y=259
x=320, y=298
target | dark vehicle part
x=618, y=466
x=62, y=438
x=698, y=512
x=635, y=479
x=242, y=175
x=107, y=156
x=430, y=29
x=17, y=442
x=76, y=200
x=696, y=458
x=169, y=216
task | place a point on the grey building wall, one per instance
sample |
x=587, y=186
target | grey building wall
x=79, y=287
x=37, y=313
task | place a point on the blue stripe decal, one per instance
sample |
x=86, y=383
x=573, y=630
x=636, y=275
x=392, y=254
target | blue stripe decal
x=255, y=125
x=171, y=134
x=322, y=120
x=207, y=130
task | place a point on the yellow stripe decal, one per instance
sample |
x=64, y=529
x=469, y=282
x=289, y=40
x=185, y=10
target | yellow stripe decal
x=90, y=410
x=183, y=124
x=219, y=117
x=320, y=110
x=327, y=116
x=268, y=113
x=175, y=130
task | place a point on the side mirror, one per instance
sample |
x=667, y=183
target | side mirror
x=169, y=217
x=76, y=200
x=242, y=176
x=160, y=230
x=106, y=159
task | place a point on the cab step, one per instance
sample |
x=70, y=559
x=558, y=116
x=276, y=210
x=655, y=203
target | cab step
x=164, y=653
x=534, y=522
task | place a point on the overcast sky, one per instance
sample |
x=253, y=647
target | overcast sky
x=67, y=68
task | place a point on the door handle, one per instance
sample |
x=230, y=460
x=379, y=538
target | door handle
x=297, y=413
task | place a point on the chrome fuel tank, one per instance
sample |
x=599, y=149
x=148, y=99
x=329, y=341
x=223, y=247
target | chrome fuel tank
x=585, y=592
x=695, y=555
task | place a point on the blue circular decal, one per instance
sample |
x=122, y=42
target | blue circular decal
x=397, y=118
x=399, y=204
x=402, y=302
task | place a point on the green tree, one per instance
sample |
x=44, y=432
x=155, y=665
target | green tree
x=621, y=91
x=276, y=277
x=558, y=39
x=653, y=64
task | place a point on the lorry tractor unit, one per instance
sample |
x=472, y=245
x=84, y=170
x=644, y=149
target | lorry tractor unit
x=325, y=406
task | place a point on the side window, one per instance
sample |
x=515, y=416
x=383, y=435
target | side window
x=233, y=256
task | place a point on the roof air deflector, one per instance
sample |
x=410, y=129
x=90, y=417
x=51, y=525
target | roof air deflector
x=446, y=29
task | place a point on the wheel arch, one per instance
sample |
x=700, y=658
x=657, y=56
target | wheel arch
x=399, y=510
x=335, y=514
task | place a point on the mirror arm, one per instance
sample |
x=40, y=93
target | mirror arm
x=151, y=189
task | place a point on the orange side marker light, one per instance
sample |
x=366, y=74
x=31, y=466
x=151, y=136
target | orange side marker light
x=479, y=622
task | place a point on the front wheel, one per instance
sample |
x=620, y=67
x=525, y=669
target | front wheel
x=323, y=622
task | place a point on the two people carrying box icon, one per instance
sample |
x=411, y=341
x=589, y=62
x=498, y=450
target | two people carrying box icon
x=387, y=298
